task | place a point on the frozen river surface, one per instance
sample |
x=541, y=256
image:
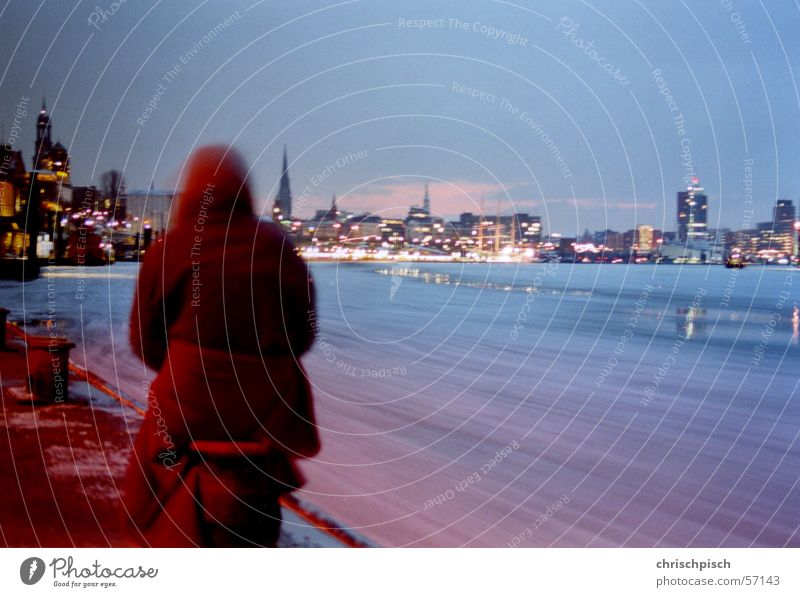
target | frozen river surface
x=530, y=405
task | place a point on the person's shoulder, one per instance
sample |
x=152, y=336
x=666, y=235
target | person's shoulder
x=154, y=254
x=272, y=235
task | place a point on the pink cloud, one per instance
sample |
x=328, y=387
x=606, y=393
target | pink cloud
x=394, y=197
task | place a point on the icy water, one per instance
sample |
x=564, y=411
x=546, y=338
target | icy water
x=529, y=405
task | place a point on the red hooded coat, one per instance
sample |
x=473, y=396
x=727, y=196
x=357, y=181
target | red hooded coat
x=223, y=311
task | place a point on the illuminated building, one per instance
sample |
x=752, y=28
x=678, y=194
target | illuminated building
x=645, y=239
x=365, y=229
x=50, y=182
x=14, y=239
x=520, y=228
x=783, y=228
x=393, y=231
x=329, y=225
x=692, y=213
x=421, y=227
x=743, y=242
x=532, y=232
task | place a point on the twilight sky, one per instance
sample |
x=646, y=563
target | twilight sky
x=590, y=114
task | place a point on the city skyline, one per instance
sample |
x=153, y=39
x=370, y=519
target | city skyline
x=551, y=134
x=406, y=191
x=52, y=161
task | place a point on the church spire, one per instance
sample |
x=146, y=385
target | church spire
x=41, y=151
x=282, y=210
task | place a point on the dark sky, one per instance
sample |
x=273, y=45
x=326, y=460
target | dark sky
x=571, y=124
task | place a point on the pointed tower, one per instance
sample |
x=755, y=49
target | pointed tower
x=43, y=143
x=426, y=201
x=334, y=210
x=282, y=210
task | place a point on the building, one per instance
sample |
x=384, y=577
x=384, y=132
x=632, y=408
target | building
x=521, y=229
x=365, y=228
x=86, y=199
x=669, y=237
x=783, y=236
x=328, y=225
x=421, y=227
x=149, y=210
x=114, y=200
x=47, y=155
x=646, y=240
x=692, y=213
x=630, y=239
x=609, y=239
x=768, y=240
x=744, y=242
x=14, y=235
x=49, y=180
x=683, y=253
x=282, y=208
x=393, y=231
x=464, y=231
x=566, y=247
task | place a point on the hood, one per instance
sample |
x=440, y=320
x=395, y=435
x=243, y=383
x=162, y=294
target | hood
x=214, y=186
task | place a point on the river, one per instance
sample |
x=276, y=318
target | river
x=525, y=404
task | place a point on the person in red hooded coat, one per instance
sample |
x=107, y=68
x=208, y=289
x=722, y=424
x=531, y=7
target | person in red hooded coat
x=223, y=311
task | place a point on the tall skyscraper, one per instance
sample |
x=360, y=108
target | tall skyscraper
x=692, y=213
x=784, y=211
x=426, y=201
x=783, y=232
x=282, y=209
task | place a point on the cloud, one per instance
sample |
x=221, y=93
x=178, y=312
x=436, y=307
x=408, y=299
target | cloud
x=394, y=197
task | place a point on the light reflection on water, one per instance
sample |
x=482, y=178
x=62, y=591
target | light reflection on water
x=446, y=279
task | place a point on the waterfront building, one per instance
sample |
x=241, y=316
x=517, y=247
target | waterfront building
x=781, y=236
x=365, y=228
x=692, y=213
x=646, y=240
x=520, y=229
x=609, y=239
x=49, y=180
x=421, y=227
x=14, y=238
x=744, y=242
x=630, y=238
x=531, y=230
